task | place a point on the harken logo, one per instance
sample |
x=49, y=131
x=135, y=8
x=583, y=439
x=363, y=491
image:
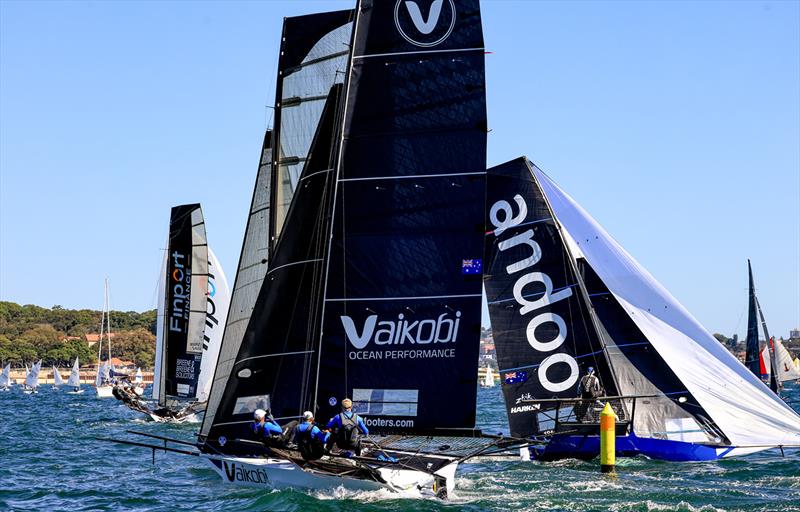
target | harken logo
x=442, y=329
x=421, y=29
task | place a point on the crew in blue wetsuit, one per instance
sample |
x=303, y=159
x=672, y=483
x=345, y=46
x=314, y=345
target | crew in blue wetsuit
x=347, y=427
x=309, y=438
x=265, y=428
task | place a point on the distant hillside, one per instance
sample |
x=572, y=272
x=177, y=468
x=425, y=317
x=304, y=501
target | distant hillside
x=57, y=335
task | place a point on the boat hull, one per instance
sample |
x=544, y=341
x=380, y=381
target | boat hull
x=105, y=391
x=271, y=473
x=588, y=447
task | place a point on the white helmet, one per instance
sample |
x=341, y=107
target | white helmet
x=308, y=415
x=259, y=414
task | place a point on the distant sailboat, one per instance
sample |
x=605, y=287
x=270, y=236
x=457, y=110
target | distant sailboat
x=57, y=380
x=564, y=296
x=760, y=360
x=488, y=378
x=32, y=379
x=785, y=369
x=104, y=381
x=74, y=381
x=5, y=378
x=193, y=301
x=138, y=379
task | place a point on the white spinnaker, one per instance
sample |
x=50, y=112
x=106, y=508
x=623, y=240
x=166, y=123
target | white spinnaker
x=75, y=375
x=57, y=380
x=786, y=369
x=5, y=377
x=32, y=379
x=162, y=297
x=219, y=297
x=739, y=403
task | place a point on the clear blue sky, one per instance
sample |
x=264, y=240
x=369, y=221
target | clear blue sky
x=676, y=124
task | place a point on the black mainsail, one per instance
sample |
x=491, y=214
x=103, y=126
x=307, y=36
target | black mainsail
x=268, y=357
x=541, y=320
x=185, y=306
x=376, y=234
x=753, y=350
x=401, y=319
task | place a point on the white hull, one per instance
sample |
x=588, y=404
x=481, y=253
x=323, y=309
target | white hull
x=75, y=392
x=278, y=474
x=192, y=418
x=105, y=391
x=31, y=392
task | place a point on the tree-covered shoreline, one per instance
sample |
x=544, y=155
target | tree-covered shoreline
x=58, y=335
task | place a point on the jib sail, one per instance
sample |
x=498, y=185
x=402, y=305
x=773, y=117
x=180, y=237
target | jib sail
x=542, y=325
x=401, y=319
x=752, y=359
x=269, y=353
x=185, y=287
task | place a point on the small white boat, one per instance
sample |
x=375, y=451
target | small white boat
x=74, y=381
x=5, y=378
x=32, y=379
x=488, y=378
x=57, y=380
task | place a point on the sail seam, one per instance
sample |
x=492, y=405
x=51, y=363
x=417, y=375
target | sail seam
x=315, y=173
x=290, y=264
x=302, y=65
x=407, y=298
x=273, y=355
x=370, y=178
x=419, y=52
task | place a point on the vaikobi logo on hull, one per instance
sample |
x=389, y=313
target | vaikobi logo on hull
x=424, y=22
x=239, y=473
x=391, y=334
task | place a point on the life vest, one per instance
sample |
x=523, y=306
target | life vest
x=309, y=447
x=347, y=436
x=590, y=385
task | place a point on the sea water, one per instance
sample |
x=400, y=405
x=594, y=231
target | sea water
x=51, y=460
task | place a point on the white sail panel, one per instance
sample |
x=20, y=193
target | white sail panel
x=57, y=380
x=5, y=377
x=75, y=375
x=32, y=379
x=219, y=297
x=742, y=406
x=160, y=315
x=766, y=361
x=786, y=369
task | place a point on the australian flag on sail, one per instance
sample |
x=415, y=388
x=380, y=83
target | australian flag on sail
x=473, y=266
x=515, y=377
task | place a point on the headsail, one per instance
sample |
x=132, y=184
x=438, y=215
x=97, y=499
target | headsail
x=744, y=410
x=218, y=300
x=75, y=375
x=752, y=358
x=57, y=380
x=253, y=263
x=186, y=294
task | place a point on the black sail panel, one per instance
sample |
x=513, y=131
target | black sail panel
x=276, y=364
x=541, y=322
x=401, y=319
x=751, y=342
x=186, y=284
x=253, y=264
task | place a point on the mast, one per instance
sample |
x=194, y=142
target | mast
x=774, y=382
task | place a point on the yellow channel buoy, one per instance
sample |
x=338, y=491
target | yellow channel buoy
x=607, y=439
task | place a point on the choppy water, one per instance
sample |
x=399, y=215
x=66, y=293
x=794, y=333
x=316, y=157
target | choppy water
x=50, y=461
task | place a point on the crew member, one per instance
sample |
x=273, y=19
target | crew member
x=347, y=427
x=309, y=438
x=588, y=390
x=265, y=427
